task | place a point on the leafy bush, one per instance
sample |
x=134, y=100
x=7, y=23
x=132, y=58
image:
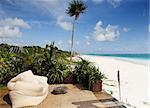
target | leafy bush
x=87, y=74
x=5, y=73
x=94, y=75
x=81, y=69
x=49, y=61
x=9, y=70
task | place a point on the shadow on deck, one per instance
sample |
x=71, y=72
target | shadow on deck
x=75, y=98
x=103, y=103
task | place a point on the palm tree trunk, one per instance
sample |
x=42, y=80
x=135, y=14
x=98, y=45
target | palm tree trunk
x=72, y=40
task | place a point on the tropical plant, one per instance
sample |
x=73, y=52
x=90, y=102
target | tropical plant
x=51, y=64
x=9, y=69
x=75, y=8
x=94, y=76
x=4, y=47
x=55, y=74
x=5, y=56
x=81, y=69
x=87, y=74
x=49, y=61
x=4, y=73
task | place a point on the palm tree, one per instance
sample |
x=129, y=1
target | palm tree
x=75, y=8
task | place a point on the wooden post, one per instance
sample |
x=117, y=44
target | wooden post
x=118, y=76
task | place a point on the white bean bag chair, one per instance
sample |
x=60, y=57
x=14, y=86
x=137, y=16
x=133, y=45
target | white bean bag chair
x=27, y=89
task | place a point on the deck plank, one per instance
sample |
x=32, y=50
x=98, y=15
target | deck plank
x=74, y=98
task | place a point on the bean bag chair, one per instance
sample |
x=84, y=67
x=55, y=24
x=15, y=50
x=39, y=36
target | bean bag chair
x=27, y=89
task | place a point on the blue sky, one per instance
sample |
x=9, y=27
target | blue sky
x=107, y=26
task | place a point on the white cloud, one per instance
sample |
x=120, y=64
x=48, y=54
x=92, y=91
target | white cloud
x=39, y=24
x=14, y=22
x=10, y=28
x=114, y=3
x=55, y=8
x=52, y=8
x=125, y=29
x=109, y=33
x=64, y=24
x=13, y=41
x=8, y=32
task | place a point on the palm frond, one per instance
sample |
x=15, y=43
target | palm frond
x=76, y=7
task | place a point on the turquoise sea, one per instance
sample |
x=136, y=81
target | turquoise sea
x=126, y=56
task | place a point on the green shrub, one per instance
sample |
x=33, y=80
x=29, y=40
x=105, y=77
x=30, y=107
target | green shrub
x=87, y=74
x=7, y=72
x=49, y=61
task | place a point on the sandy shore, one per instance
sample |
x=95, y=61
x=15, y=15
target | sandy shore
x=134, y=79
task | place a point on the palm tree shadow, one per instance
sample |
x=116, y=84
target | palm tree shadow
x=106, y=102
x=86, y=104
x=6, y=98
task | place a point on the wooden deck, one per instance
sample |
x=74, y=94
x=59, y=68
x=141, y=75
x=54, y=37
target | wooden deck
x=75, y=98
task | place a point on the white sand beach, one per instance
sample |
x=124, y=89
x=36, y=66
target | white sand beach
x=134, y=79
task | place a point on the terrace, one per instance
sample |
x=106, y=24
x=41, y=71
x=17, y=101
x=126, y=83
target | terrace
x=76, y=97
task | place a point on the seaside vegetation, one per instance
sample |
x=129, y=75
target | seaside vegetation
x=49, y=61
x=87, y=74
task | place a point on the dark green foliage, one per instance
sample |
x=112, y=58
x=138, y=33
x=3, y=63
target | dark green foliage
x=9, y=69
x=4, y=47
x=76, y=7
x=5, y=74
x=49, y=62
x=87, y=74
x=94, y=75
x=81, y=70
x=55, y=74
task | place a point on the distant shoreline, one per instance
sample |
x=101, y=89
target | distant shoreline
x=141, y=61
x=130, y=60
x=142, y=56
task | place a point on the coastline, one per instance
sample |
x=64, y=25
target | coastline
x=140, y=61
x=135, y=61
x=133, y=75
